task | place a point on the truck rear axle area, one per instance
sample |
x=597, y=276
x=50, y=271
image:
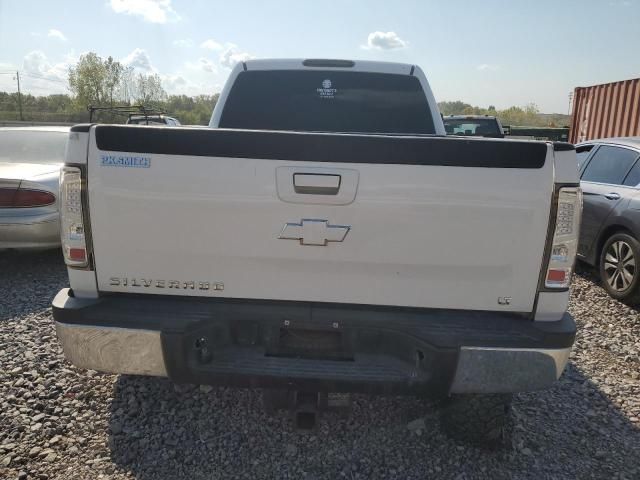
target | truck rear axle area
x=305, y=406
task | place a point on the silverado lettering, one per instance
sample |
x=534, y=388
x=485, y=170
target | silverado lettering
x=148, y=282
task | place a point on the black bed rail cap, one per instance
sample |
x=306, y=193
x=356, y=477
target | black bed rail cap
x=322, y=147
x=82, y=127
x=563, y=147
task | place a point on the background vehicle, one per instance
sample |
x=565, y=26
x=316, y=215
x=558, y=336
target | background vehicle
x=610, y=176
x=135, y=115
x=153, y=120
x=554, y=134
x=473, y=125
x=271, y=252
x=30, y=161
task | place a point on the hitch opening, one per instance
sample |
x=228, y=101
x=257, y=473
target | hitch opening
x=306, y=410
x=305, y=406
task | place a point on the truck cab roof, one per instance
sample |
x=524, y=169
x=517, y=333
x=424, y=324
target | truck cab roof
x=324, y=64
x=328, y=95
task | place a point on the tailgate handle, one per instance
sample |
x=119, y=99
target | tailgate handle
x=316, y=183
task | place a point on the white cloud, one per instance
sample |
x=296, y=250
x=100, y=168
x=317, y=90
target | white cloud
x=53, y=33
x=231, y=56
x=207, y=65
x=179, y=84
x=202, y=65
x=140, y=61
x=384, y=41
x=211, y=44
x=487, y=67
x=36, y=63
x=173, y=83
x=195, y=77
x=153, y=11
x=38, y=74
x=184, y=42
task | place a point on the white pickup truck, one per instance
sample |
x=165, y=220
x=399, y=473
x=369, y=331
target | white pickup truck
x=323, y=236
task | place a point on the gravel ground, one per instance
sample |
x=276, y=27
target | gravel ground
x=60, y=422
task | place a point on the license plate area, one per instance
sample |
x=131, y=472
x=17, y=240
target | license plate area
x=310, y=343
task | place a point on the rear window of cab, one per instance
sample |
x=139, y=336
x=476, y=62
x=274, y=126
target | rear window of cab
x=328, y=101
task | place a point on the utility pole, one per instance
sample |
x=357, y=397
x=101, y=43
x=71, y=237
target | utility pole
x=19, y=95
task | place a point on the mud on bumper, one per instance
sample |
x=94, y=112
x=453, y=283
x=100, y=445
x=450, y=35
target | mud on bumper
x=319, y=347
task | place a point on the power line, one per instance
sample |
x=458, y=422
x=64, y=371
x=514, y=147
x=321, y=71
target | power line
x=31, y=75
x=41, y=77
x=35, y=75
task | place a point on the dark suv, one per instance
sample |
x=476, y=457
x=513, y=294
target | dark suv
x=473, y=126
x=610, y=180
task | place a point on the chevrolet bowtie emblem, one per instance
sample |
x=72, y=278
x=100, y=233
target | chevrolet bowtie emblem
x=314, y=232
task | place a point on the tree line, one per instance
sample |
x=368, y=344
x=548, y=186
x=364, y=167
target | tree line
x=106, y=82
x=64, y=108
x=528, y=115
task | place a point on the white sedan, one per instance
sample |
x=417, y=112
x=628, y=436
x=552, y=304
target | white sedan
x=30, y=161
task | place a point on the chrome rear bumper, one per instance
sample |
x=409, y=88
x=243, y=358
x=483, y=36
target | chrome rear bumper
x=313, y=347
x=505, y=370
x=112, y=349
x=479, y=370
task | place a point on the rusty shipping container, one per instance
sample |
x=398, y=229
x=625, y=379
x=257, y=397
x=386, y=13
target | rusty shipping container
x=607, y=110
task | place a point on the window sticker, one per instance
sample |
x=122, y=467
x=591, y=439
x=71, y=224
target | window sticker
x=326, y=91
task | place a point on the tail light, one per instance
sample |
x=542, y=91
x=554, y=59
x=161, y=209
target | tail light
x=6, y=196
x=72, y=228
x=25, y=197
x=565, y=238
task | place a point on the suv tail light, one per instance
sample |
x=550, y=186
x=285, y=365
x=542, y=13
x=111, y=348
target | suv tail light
x=72, y=228
x=565, y=238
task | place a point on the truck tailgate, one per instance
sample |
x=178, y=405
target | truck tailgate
x=385, y=220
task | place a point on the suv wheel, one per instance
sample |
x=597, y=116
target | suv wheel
x=481, y=420
x=619, y=259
